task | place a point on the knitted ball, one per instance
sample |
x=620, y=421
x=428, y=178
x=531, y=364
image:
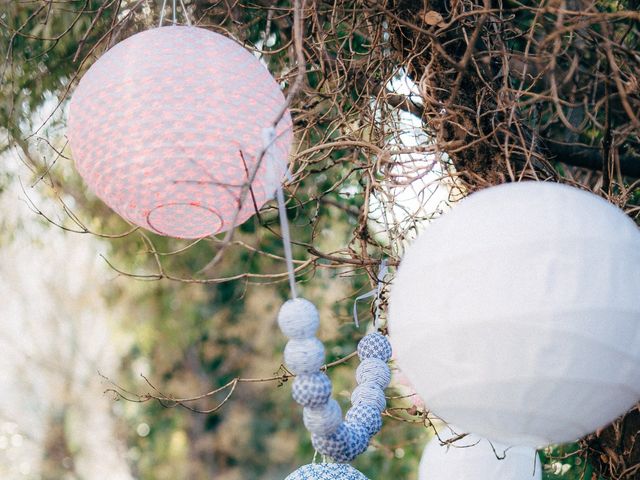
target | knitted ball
x=326, y=471
x=312, y=390
x=323, y=420
x=374, y=370
x=336, y=445
x=366, y=415
x=369, y=394
x=374, y=345
x=305, y=355
x=298, y=318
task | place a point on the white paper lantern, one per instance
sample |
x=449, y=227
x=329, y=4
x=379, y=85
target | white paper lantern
x=474, y=458
x=516, y=316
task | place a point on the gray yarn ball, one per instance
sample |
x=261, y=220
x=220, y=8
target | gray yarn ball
x=311, y=390
x=366, y=415
x=323, y=420
x=374, y=370
x=305, y=355
x=369, y=394
x=298, y=318
x=326, y=471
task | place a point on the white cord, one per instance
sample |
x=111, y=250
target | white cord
x=164, y=4
x=286, y=240
x=268, y=137
x=186, y=13
x=174, y=12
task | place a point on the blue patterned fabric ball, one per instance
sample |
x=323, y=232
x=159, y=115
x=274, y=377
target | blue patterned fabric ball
x=344, y=445
x=326, y=471
x=374, y=345
x=370, y=394
x=335, y=446
x=312, y=390
x=366, y=415
x=359, y=439
x=374, y=370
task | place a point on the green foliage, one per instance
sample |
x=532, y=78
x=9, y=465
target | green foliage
x=565, y=462
x=38, y=43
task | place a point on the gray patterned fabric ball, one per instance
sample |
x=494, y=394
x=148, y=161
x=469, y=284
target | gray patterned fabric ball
x=366, y=415
x=374, y=345
x=335, y=446
x=311, y=390
x=344, y=445
x=326, y=471
x=359, y=437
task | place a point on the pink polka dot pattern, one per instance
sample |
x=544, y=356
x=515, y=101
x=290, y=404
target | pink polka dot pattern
x=167, y=126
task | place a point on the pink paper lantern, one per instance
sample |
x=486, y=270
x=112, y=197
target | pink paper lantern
x=168, y=125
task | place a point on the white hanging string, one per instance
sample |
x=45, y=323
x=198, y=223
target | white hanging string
x=164, y=5
x=377, y=292
x=174, y=12
x=186, y=13
x=286, y=240
x=268, y=137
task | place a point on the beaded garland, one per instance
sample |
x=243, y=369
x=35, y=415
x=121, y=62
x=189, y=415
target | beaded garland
x=330, y=435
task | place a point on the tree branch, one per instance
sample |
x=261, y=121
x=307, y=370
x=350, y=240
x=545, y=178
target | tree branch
x=590, y=157
x=575, y=155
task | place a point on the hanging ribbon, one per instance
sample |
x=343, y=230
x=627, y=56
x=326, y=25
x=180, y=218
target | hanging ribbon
x=268, y=137
x=376, y=292
x=164, y=4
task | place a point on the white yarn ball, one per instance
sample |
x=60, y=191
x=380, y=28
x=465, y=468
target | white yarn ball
x=516, y=316
x=323, y=420
x=369, y=394
x=373, y=370
x=473, y=458
x=298, y=318
x=305, y=355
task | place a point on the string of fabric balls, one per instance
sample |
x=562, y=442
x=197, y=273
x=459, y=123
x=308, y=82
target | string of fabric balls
x=304, y=356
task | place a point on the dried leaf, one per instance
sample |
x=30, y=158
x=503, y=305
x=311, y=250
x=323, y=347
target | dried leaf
x=432, y=18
